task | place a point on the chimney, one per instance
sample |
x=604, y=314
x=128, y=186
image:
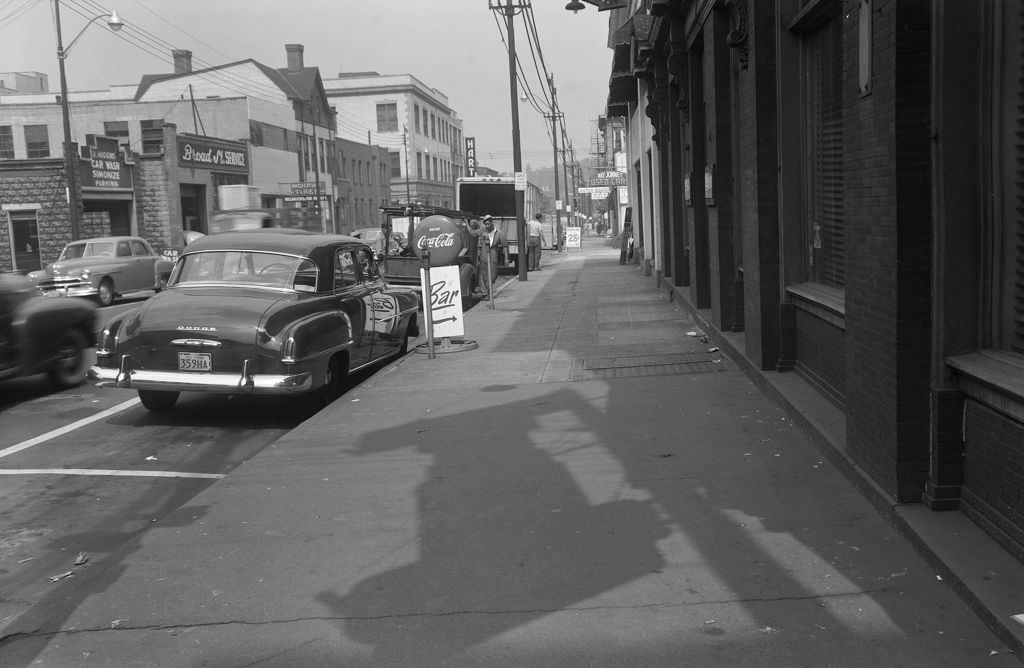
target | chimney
x=294, y=52
x=182, y=61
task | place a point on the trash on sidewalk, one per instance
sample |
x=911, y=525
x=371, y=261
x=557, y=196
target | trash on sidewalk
x=66, y=574
x=1018, y=618
x=713, y=350
x=81, y=558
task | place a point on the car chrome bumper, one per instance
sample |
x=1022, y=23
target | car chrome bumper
x=84, y=290
x=190, y=381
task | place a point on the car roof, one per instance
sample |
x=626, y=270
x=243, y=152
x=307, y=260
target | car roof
x=105, y=239
x=280, y=240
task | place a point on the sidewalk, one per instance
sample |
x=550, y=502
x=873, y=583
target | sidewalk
x=591, y=486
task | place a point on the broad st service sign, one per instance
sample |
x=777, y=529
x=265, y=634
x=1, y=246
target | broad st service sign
x=218, y=155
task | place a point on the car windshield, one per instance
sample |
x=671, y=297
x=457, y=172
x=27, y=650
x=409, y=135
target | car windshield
x=88, y=249
x=247, y=268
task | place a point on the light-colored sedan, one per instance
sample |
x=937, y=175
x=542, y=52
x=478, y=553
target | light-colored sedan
x=103, y=269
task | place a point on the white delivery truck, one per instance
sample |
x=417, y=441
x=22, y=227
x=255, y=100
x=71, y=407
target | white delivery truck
x=495, y=196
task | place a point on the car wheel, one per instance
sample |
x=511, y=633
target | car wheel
x=70, y=367
x=337, y=369
x=105, y=292
x=404, y=348
x=158, y=401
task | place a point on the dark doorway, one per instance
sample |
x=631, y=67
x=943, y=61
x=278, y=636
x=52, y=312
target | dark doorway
x=25, y=240
x=193, y=207
x=120, y=212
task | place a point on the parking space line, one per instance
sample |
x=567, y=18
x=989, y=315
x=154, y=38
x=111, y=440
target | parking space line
x=112, y=472
x=42, y=438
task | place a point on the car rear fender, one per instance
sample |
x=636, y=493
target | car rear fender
x=316, y=336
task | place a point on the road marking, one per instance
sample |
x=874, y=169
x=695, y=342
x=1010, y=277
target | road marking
x=42, y=438
x=111, y=472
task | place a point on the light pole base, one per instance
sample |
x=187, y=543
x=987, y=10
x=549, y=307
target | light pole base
x=447, y=345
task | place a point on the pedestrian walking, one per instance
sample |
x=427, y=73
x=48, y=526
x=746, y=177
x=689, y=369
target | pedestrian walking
x=626, y=243
x=534, y=241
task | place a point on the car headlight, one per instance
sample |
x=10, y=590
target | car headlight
x=84, y=275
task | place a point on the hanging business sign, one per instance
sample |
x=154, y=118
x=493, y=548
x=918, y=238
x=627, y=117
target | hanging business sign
x=218, y=155
x=103, y=166
x=471, y=156
x=609, y=179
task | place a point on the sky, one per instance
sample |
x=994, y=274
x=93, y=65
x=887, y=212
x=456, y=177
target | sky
x=454, y=46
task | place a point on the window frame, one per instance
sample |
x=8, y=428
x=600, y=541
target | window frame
x=824, y=226
x=387, y=116
x=7, y=142
x=37, y=151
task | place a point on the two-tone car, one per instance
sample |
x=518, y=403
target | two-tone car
x=103, y=269
x=263, y=312
x=39, y=335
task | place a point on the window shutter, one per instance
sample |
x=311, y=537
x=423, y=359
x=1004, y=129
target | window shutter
x=1017, y=334
x=828, y=234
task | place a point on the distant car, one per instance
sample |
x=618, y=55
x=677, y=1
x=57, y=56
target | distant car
x=40, y=335
x=270, y=312
x=103, y=269
x=374, y=238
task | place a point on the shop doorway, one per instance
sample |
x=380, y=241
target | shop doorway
x=193, y=208
x=120, y=213
x=25, y=241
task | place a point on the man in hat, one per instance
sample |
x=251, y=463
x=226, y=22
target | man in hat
x=495, y=253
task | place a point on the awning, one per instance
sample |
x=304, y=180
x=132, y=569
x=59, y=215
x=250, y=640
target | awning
x=621, y=89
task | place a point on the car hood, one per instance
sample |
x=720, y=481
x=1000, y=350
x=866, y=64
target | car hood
x=66, y=267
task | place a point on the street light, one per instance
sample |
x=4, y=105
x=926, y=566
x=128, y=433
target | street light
x=70, y=159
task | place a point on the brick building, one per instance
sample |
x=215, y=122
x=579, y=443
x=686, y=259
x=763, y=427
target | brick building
x=834, y=186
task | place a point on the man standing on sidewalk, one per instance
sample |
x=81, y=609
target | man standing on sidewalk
x=534, y=241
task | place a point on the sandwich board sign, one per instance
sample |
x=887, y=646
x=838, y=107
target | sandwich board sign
x=444, y=299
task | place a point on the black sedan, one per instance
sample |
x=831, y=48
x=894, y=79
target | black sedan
x=272, y=312
x=39, y=335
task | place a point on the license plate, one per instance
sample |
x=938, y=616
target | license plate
x=195, y=362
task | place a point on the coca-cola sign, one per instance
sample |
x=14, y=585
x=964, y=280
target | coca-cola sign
x=442, y=237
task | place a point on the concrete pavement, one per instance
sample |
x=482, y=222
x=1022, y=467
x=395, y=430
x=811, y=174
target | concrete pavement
x=591, y=486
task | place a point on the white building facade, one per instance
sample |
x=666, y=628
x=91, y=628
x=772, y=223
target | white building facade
x=422, y=133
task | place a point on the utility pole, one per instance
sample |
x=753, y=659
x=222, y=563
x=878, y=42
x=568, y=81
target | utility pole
x=408, y=190
x=517, y=154
x=554, y=165
x=70, y=152
x=316, y=169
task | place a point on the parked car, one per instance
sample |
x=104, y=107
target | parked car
x=40, y=335
x=104, y=268
x=271, y=312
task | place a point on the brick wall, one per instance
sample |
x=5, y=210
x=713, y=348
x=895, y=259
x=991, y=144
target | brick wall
x=42, y=183
x=888, y=247
x=993, y=492
x=816, y=343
